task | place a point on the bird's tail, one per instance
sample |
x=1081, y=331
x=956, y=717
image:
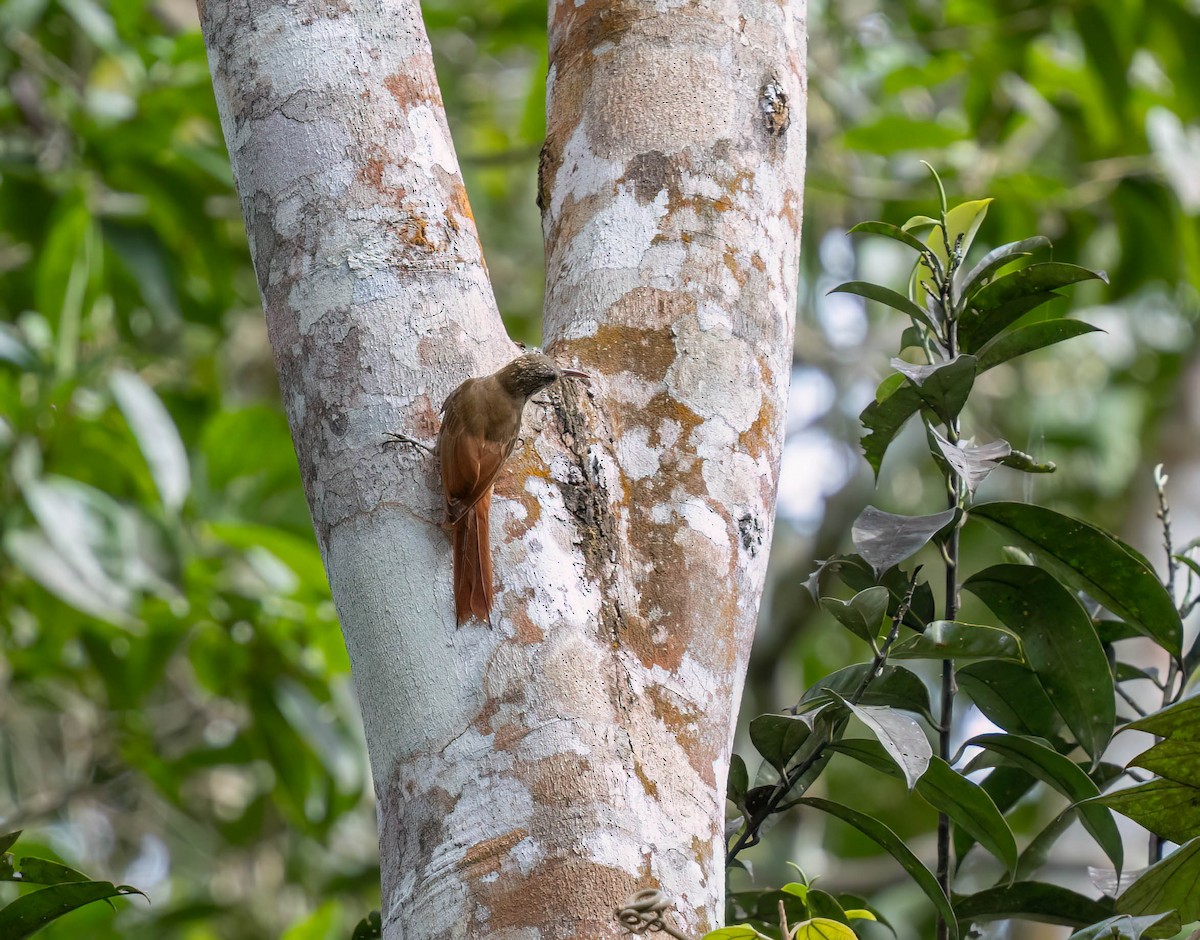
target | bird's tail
x=473, y=564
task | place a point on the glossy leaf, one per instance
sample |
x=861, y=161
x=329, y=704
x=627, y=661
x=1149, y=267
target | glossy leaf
x=1060, y=646
x=1166, y=808
x=738, y=781
x=884, y=539
x=856, y=574
x=1127, y=927
x=40, y=871
x=971, y=462
x=894, y=845
x=863, y=614
x=1169, y=885
x=778, y=737
x=996, y=259
x=894, y=687
x=883, y=419
x=1010, y=696
x=942, y=387
x=1066, y=777
x=1027, y=339
x=822, y=928
x=1032, y=900
x=31, y=912
x=900, y=736
x=963, y=220
x=1090, y=560
x=886, y=296
x=1008, y=298
x=962, y=642
x=890, y=231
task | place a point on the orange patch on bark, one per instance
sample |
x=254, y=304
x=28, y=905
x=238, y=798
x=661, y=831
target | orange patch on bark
x=486, y=857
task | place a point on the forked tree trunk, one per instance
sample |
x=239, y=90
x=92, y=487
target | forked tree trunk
x=531, y=776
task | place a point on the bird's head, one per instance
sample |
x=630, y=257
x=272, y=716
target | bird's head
x=528, y=374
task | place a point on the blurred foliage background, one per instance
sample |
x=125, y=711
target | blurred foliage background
x=175, y=704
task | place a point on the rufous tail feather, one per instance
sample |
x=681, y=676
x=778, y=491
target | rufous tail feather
x=473, y=564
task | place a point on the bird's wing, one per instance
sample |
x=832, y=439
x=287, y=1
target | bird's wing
x=470, y=462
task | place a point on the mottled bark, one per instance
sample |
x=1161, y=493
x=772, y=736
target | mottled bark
x=531, y=776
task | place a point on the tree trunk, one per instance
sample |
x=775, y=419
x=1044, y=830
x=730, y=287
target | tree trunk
x=529, y=777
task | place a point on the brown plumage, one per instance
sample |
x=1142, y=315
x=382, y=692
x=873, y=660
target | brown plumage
x=480, y=424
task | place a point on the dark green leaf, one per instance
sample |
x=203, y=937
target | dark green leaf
x=884, y=417
x=31, y=912
x=1005, y=785
x=1032, y=900
x=738, y=781
x=1010, y=297
x=962, y=642
x=8, y=839
x=1066, y=777
x=942, y=387
x=1027, y=339
x=884, y=539
x=1011, y=697
x=1060, y=645
x=863, y=614
x=1091, y=560
x=42, y=871
x=890, y=231
x=369, y=928
x=970, y=808
x=997, y=258
x=1111, y=631
x=1169, y=885
x=778, y=737
x=894, y=845
x=1167, y=808
x=1037, y=852
x=895, y=687
x=887, y=296
x=1125, y=927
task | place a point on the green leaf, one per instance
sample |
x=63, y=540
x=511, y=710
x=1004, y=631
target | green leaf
x=884, y=539
x=737, y=932
x=738, y=781
x=369, y=928
x=1060, y=646
x=900, y=736
x=856, y=574
x=1007, y=299
x=942, y=387
x=1166, y=808
x=971, y=808
x=963, y=642
x=156, y=435
x=863, y=614
x=1176, y=758
x=890, y=231
x=1126, y=927
x=42, y=871
x=1032, y=900
x=964, y=219
x=894, y=845
x=883, y=419
x=8, y=839
x=1066, y=777
x=1010, y=696
x=778, y=737
x=894, y=687
x=1090, y=560
x=1026, y=339
x=31, y=912
x=997, y=258
x=1180, y=721
x=822, y=928
x=1169, y=885
x=886, y=296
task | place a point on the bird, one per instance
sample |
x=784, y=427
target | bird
x=481, y=420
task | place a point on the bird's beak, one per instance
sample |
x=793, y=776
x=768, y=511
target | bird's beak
x=575, y=374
